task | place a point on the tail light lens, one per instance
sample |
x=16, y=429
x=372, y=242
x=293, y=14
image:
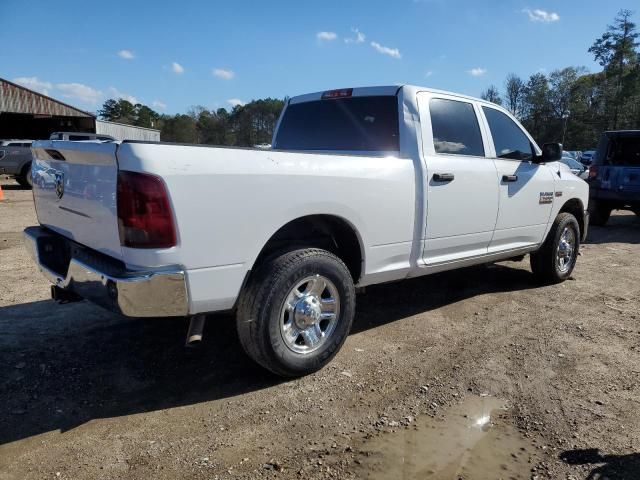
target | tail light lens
x=144, y=213
x=593, y=171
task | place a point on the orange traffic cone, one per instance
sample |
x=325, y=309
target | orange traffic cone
x=1, y=194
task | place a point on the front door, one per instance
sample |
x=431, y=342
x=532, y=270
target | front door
x=526, y=188
x=461, y=183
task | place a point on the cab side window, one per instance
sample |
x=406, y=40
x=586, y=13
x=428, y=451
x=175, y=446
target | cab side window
x=508, y=139
x=455, y=128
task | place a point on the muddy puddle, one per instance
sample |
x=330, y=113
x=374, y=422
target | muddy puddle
x=472, y=440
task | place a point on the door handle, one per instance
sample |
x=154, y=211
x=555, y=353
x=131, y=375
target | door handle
x=510, y=178
x=443, y=177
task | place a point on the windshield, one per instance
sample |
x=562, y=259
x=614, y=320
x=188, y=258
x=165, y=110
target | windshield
x=347, y=124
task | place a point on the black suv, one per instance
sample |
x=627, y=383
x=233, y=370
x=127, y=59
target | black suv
x=614, y=175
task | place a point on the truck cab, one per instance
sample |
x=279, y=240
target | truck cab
x=483, y=186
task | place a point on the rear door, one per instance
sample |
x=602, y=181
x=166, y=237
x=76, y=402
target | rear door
x=74, y=189
x=462, y=186
x=527, y=189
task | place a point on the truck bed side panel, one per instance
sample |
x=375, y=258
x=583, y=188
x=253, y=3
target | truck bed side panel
x=229, y=202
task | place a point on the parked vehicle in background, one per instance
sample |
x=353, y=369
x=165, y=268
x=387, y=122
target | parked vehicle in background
x=15, y=160
x=15, y=143
x=614, y=176
x=363, y=186
x=575, y=154
x=587, y=157
x=81, y=137
x=575, y=166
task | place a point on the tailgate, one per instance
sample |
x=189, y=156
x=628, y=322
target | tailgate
x=74, y=189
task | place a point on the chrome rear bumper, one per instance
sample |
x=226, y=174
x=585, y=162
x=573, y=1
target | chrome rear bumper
x=104, y=281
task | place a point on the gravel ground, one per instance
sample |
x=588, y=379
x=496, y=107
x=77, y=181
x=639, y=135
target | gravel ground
x=88, y=394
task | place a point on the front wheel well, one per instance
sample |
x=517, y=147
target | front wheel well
x=327, y=232
x=576, y=208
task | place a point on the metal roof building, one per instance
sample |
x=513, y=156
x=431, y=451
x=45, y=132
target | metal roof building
x=27, y=114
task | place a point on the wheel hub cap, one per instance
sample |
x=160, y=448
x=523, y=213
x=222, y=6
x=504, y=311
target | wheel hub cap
x=309, y=314
x=566, y=248
x=307, y=311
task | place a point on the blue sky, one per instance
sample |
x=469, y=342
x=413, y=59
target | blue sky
x=174, y=54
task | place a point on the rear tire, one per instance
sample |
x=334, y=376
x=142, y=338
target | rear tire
x=24, y=179
x=296, y=311
x=599, y=213
x=555, y=260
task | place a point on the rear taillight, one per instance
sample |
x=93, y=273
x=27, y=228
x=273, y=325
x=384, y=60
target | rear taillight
x=144, y=213
x=593, y=171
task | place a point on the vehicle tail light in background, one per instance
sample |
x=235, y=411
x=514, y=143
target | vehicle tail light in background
x=593, y=171
x=145, y=219
x=341, y=93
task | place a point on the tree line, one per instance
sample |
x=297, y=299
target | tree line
x=568, y=105
x=573, y=106
x=245, y=125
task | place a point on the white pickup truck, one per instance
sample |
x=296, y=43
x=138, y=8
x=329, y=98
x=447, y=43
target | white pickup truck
x=362, y=186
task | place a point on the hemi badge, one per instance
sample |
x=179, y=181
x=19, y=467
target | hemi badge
x=559, y=193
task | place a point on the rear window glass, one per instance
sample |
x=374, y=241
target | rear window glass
x=455, y=128
x=624, y=151
x=349, y=124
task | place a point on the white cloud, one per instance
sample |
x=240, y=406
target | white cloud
x=328, y=36
x=159, y=105
x=126, y=54
x=117, y=94
x=80, y=92
x=34, y=84
x=538, y=15
x=222, y=73
x=177, y=68
x=234, y=102
x=392, y=52
x=428, y=74
x=477, y=72
x=359, y=37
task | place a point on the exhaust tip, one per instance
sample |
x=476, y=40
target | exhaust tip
x=196, y=331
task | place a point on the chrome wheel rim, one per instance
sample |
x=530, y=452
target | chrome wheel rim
x=309, y=314
x=566, y=250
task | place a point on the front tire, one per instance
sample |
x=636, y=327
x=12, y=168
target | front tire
x=296, y=311
x=555, y=260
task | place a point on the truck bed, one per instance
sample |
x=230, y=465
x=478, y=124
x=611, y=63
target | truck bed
x=226, y=204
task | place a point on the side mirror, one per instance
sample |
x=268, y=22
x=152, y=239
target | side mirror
x=551, y=152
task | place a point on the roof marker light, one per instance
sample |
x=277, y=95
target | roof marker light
x=340, y=93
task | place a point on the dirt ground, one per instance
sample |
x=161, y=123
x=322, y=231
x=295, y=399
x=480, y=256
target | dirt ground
x=88, y=394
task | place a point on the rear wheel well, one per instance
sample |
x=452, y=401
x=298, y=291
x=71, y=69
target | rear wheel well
x=327, y=232
x=575, y=208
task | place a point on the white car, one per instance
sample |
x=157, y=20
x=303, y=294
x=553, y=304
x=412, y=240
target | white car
x=362, y=186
